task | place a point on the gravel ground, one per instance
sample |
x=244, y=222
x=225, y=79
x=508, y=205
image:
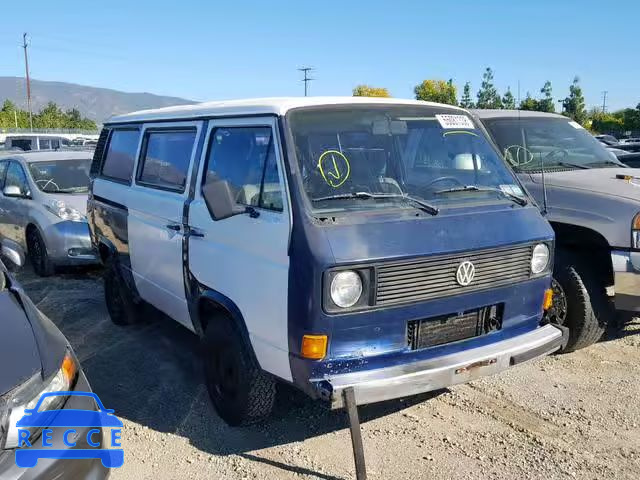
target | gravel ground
x=566, y=416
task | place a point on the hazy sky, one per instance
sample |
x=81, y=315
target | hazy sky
x=216, y=50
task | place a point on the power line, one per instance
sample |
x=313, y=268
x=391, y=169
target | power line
x=26, y=69
x=306, y=78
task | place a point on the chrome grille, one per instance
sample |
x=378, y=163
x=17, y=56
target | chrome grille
x=436, y=277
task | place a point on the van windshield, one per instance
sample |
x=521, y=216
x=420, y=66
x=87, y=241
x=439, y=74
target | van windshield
x=368, y=157
x=61, y=176
x=553, y=143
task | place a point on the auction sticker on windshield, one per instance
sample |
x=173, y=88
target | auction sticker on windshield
x=454, y=121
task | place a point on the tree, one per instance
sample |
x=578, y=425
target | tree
x=546, y=103
x=465, y=101
x=606, y=123
x=508, y=101
x=437, y=91
x=529, y=103
x=573, y=105
x=488, y=96
x=51, y=116
x=368, y=91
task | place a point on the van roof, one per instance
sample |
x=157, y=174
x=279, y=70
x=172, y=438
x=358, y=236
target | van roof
x=256, y=106
x=489, y=113
x=47, y=155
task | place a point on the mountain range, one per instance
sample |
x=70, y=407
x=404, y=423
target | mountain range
x=98, y=104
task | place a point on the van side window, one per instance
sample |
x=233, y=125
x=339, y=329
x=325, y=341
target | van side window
x=166, y=158
x=121, y=154
x=245, y=158
x=16, y=177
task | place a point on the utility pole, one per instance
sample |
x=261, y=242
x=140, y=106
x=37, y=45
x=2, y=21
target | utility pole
x=26, y=67
x=306, y=78
x=604, y=101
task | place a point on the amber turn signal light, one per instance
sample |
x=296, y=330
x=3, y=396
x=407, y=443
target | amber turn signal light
x=314, y=347
x=547, y=302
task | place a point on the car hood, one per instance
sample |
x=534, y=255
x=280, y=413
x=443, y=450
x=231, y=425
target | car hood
x=18, y=348
x=598, y=180
x=30, y=342
x=406, y=238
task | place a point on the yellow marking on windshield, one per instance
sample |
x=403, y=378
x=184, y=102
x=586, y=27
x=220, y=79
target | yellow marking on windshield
x=334, y=168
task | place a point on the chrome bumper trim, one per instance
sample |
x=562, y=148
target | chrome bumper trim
x=410, y=379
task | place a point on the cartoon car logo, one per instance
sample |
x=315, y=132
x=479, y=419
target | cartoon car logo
x=67, y=419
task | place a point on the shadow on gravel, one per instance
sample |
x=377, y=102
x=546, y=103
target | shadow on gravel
x=624, y=326
x=150, y=374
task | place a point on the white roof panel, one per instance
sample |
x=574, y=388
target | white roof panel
x=256, y=106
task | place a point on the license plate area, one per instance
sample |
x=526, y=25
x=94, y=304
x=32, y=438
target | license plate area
x=454, y=327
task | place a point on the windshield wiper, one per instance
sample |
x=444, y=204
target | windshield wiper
x=421, y=204
x=73, y=190
x=568, y=164
x=475, y=188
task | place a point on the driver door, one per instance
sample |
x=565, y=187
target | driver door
x=14, y=209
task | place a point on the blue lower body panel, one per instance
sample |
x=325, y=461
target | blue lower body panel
x=378, y=339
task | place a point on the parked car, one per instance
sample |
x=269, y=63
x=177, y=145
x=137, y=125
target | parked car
x=609, y=140
x=37, y=359
x=630, y=159
x=593, y=204
x=382, y=245
x=43, y=207
x=35, y=141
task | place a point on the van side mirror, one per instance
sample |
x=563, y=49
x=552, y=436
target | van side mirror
x=221, y=202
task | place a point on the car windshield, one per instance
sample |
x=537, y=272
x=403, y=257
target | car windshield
x=553, y=143
x=367, y=157
x=61, y=176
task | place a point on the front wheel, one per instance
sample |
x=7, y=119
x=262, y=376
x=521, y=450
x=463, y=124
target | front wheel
x=580, y=303
x=38, y=254
x=240, y=391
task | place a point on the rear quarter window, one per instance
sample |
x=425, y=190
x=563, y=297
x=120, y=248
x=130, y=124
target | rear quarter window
x=121, y=155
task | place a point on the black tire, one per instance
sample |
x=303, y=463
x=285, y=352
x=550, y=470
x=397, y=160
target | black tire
x=241, y=392
x=38, y=254
x=580, y=302
x=121, y=304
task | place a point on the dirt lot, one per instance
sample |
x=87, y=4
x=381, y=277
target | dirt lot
x=567, y=416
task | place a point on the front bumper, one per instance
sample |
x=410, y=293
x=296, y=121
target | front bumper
x=69, y=243
x=436, y=373
x=47, y=468
x=626, y=271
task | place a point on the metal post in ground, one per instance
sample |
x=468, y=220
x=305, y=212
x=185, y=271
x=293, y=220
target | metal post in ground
x=356, y=433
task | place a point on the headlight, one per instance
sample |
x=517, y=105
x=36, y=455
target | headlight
x=635, y=232
x=63, y=211
x=26, y=396
x=346, y=288
x=540, y=258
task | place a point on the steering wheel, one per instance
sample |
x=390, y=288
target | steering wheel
x=445, y=179
x=48, y=182
x=554, y=153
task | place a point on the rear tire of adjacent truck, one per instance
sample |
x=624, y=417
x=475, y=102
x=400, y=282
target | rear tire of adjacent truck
x=585, y=299
x=241, y=392
x=121, y=304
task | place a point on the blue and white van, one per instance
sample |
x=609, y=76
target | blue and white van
x=328, y=243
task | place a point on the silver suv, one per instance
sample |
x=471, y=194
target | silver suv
x=43, y=207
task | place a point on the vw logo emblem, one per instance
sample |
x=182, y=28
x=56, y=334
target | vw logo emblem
x=465, y=274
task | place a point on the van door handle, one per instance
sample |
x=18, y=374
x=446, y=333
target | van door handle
x=193, y=232
x=174, y=226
